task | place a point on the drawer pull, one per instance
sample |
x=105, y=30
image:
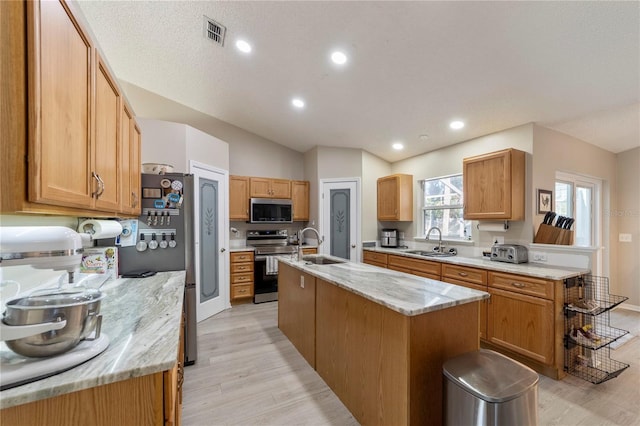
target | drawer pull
x=244, y=290
x=519, y=285
x=463, y=274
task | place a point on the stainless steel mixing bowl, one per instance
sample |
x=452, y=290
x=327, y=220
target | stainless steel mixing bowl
x=81, y=309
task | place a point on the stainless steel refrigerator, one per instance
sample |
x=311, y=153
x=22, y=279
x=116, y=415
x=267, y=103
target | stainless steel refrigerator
x=166, y=227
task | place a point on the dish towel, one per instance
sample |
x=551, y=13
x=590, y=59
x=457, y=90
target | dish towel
x=272, y=265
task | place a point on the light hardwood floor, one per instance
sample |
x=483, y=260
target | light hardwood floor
x=248, y=373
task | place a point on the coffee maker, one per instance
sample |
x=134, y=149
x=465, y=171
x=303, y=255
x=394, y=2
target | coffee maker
x=389, y=238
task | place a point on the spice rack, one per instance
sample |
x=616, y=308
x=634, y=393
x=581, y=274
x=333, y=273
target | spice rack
x=588, y=334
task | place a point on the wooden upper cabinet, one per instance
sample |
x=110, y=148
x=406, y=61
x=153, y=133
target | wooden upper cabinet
x=65, y=116
x=494, y=185
x=130, y=162
x=270, y=188
x=60, y=67
x=395, y=197
x=238, y=198
x=106, y=143
x=300, y=200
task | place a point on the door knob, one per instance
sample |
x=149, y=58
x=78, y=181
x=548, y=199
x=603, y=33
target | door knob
x=353, y=246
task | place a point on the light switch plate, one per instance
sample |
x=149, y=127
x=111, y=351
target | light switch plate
x=624, y=238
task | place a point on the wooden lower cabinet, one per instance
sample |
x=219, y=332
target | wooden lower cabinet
x=384, y=366
x=154, y=399
x=522, y=323
x=312, y=250
x=375, y=258
x=241, y=275
x=422, y=268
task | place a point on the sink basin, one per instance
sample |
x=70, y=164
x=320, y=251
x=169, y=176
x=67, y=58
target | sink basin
x=430, y=253
x=320, y=260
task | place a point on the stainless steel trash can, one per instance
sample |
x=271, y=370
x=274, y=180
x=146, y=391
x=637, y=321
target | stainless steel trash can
x=488, y=388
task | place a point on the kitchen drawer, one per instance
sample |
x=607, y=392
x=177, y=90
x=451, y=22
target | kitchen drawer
x=242, y=278
x=464, y=273
x=237, y=268
x=426, y=266
x=414, y=272
x=241, y=290
x=241, y=256
x=520, y=284
x=374, y=257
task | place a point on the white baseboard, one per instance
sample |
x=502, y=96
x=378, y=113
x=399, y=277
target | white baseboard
x=628, y=307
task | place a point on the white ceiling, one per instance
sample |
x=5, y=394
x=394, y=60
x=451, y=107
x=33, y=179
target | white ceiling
x=413, y=67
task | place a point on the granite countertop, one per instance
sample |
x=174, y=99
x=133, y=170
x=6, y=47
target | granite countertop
x=141, y=316
x=533, y=270
x=241, y=248
x=407, y=294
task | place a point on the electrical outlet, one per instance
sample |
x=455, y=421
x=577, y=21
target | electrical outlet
x=539, y=256
x=624, y=238
x=301, y=281
x=498, y=240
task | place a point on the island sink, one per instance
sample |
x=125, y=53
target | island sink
x=320, y=260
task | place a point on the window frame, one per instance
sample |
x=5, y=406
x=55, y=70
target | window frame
x=422, y=209
x=596, y=185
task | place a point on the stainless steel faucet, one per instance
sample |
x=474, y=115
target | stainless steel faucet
x=301, y=234
x=439, y=237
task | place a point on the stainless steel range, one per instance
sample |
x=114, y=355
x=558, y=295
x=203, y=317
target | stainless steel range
x=268, y=244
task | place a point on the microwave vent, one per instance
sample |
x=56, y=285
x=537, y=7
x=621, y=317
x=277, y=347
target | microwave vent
x=214, y=31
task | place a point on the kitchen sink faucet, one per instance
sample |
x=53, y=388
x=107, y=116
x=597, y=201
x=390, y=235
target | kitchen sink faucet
x=301, y=234
x=439, y=237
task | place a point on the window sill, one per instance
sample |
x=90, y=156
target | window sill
x=445, y=241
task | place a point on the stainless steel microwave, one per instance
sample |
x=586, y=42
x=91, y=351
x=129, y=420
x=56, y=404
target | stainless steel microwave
x=271, y=210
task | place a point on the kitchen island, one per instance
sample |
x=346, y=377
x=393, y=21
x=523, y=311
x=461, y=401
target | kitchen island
x=377, y=337
x=525, y=319
x=132, y=381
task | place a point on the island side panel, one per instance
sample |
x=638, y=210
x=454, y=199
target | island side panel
x=296, y=310
x=436, y=337
x=362, y=354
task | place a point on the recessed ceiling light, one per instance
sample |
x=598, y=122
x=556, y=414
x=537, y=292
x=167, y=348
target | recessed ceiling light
x=243, y=46
x=338, y=57
x=297, y=102
x=397, y=146
x=456, y=125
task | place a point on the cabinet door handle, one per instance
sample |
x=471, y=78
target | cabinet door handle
x=101, y=182
x=95, y=194
x=519, y=285
x=463, y=274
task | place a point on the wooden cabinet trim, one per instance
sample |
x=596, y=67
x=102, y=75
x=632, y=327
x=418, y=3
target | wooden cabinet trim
x=375, y=257
x=522, y=284
x=532, y=333
x=425, y=266
x=465, y=273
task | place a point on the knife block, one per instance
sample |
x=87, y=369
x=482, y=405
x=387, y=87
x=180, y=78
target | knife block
x=548, y=234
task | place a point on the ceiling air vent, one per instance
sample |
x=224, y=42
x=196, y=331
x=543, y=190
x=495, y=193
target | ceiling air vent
x=214, y=31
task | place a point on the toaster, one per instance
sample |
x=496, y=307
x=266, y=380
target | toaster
x=510, y=253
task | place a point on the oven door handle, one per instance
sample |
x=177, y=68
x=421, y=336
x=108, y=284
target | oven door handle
x=262, y=257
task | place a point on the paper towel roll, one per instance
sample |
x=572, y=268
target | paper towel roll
x=493, y=226
x=98, y=229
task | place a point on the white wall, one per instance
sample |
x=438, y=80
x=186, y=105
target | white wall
x=627, y=214
x=448, y=161
x=248, y=155
x=372, y=168
x=176, y=144
x=554, y=151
